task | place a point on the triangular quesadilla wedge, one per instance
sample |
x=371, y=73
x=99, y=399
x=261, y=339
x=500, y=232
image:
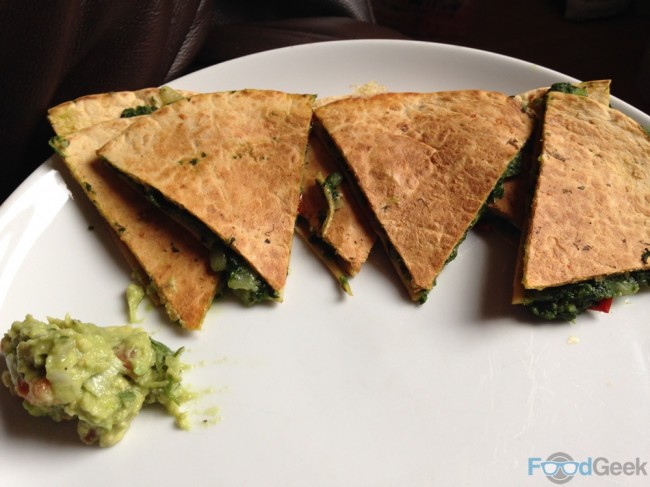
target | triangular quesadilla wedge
x=166, y=259
x=588, y=237
x=330, y=220
x=513, y=206
x=228, y=165
x=524, y=184
x=74, y=115
x=425, y=164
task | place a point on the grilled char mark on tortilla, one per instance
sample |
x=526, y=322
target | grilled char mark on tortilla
x=167, y=260
x=425, y=163
x=231, y=160
x=592, y=199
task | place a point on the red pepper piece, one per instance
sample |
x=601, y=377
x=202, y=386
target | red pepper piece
x=603, y=305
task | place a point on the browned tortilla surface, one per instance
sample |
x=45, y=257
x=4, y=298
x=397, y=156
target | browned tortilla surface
x=591, y=211
x=516, y=194
x=231, y=159
x=426, y=163
x=85, y=111
x=513, y=206
x=344, y=237
x=349, y=233
x=175, y=262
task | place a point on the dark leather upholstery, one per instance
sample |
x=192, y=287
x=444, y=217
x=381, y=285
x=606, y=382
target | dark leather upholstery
x=238, y=12
x=56, y=51
x=235, y=40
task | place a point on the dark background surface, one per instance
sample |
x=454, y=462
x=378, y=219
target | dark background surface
x=55, y=53
x=612, y=46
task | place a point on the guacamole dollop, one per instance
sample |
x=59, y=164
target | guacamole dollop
x=102, y=376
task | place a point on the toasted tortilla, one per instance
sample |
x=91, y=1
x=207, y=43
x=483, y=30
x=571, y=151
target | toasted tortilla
x=75, y=115
x=513, y=206
x=524, y=184
x=591, y=208
x=425, y=163
x=164, y=256
x=348, y=234
x=533, y=100
x=342, y=236
x=231, y=160
x=516, y=193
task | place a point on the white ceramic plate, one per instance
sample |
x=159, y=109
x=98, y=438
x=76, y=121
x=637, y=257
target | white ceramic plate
x=325, y=389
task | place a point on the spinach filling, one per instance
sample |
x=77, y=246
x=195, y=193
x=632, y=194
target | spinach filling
x=167, y=95
x=568, y=301
x=568, y=88
x=245, y=283
x=514, y=169
x=239, y=277
x=59, y=144
x=333, y=196
x=330, y=185
x=139, y=110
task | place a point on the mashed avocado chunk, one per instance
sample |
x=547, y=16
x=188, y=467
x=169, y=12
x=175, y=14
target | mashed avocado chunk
x=102, y=376
x=134, y=296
